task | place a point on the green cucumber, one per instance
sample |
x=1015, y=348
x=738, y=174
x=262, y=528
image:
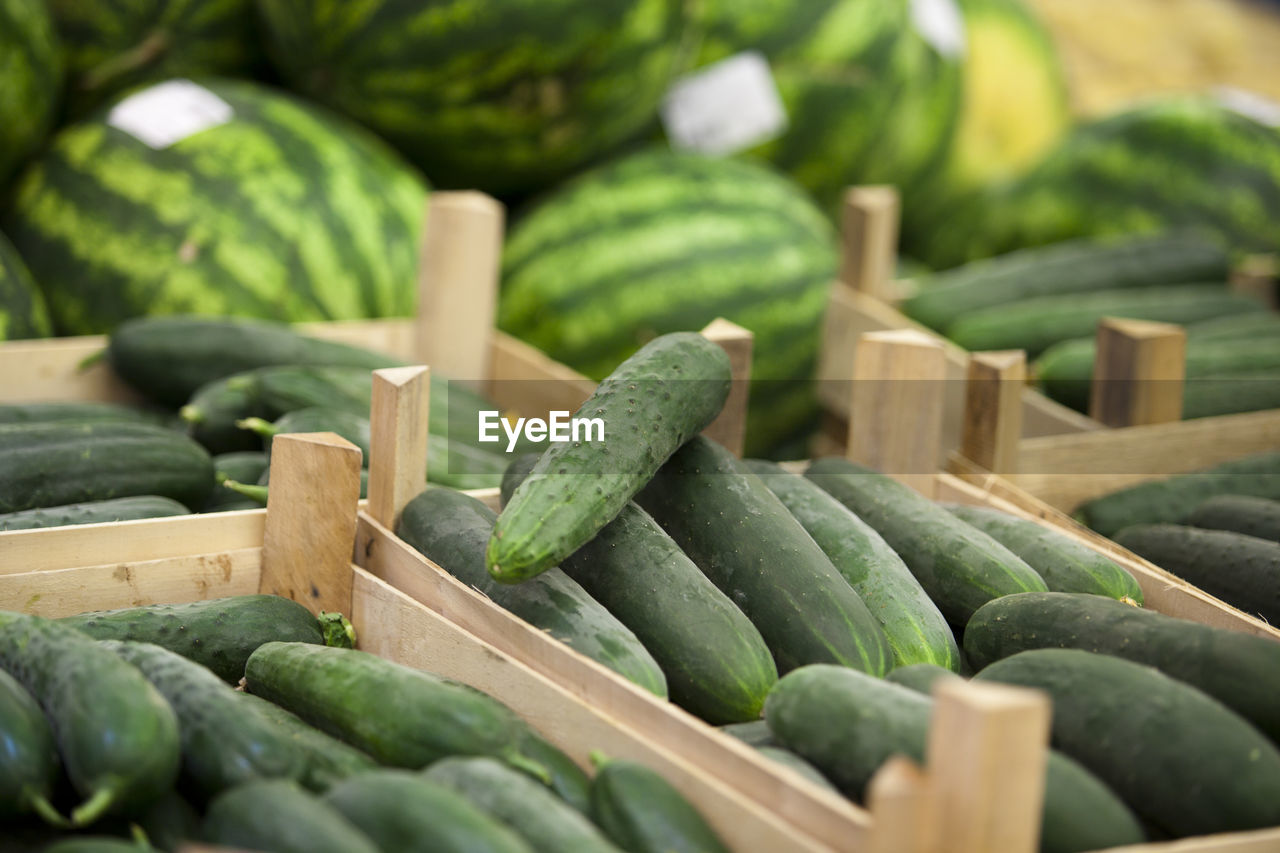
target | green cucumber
x=279, y=816
x=789, y=759
x=915, y=628
x=224, y=742
x=1174, y=498
x=1239, y=514
x=25, y=413
x=745, y=541
x=28, y=758
x=218, y=633
x=848, y=724
x=93, y=512
x=452, y=529
x=755, y=733
x=406, y=812
x=97, y=844
x=716, y=663
x=960, y=567
x=244, y=466
x=1066, y=564
x=53, y=464
x=642, y=813
x=652, y=403
x=569, y=782
x=1244, y=571
x=1237, y=669
x=547, y=824
x=167, y=358
x=1184, y=762
x=166, y=823
x=329, y=759
x=117, y=736
x=921, y=677
x=399, y=716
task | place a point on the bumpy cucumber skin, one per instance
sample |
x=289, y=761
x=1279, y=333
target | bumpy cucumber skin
x=921, y=677
x=93, y=512
x=546, y=824
x=742, y=537
x=1065, y=564
x=452, y=530
x=716, y=663
x=1237, y=669
x=641, y=813
x=410, y=813
x=654, y=402
x=117, y=736
x=1173, y=499
x=329, y=759
x=1239, y=514
x=401, y=717
x=848, y=724
x=53, y=464
x=218, y=633
x=960, y=567
x=1243, y=571
x=28, y=758
x=1184, y=762
x=279, y=816
x=914, y=626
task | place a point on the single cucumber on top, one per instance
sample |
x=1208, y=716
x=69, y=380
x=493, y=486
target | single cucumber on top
x=654, y=402
x=642, y=813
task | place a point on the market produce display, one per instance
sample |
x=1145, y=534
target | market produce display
x=31, y=67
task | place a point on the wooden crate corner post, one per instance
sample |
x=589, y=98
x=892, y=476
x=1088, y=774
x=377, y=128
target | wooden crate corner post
x=902, y=817
x=992, y=424
x=730, y=427
x=869, y=240
x=398, y=440
x=1138, y=373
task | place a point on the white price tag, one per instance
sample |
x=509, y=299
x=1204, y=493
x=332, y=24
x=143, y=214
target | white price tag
x=727, y=107
x=941, y=24
x=169, y=112
x=1249, y=104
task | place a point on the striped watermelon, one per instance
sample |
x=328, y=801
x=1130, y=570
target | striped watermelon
x=30, y=77
x=113, y=45
x=659, y=242
x=504, y=96
x=1167, y=163
x=22, y=311
x=285, y=211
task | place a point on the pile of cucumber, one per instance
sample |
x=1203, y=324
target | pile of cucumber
x=1048, y=301
x=123, y=730
x=217, y=391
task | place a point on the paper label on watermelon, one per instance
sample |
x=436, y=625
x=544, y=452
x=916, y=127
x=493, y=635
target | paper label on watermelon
x=940, y=23
x=1249, y=104
x=169, y=113
x=727, y=107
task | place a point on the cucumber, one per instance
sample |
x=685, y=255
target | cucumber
x=547, y=824
x=26, y=413
x=755, y=733
x=912, y=623
x=452, y=529
x=787, y=758
x=329, y=758
x=224, y=742
x=279, y=816
x=244, y=466
x=167, y=358
x=28, y=758
x=1230, y=394
x=218, y=633
x=1253, y=326
x=921, y=677
x=642, y=813
x=166, y=824
x=1066, y=564
x=52, y=464
x=1183, y=761
x=848, y=724
x=1243, y=571
x=960, y=567
x=1174, y=498
x=1257, y=517
x=399, y=716
x=1036, y=324
x=1237, y=669
x=745, y=541
x=568, y=781
x=97, y=844
x=717, y=665
x=652, y=403
x=352, y=426
x=92, y=512
x=117, y=736
x=406, y=812
x=1075, y=267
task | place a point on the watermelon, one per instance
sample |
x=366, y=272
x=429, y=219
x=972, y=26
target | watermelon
x=282, y=211
x=112, y=46
x=658, y=242
x=22, y=311
x=1169, y=162
x=30, y=78
x=504, y=96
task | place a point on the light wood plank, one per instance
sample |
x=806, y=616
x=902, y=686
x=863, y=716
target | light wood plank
x=869, y=231
x=1256, y=277
x=901, y=806
x=993, y=409
x=398, y=440
x=730, y=427
x=1257, y=841
x=524, y=380
x=1139, y=372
